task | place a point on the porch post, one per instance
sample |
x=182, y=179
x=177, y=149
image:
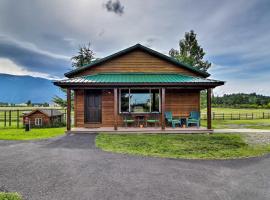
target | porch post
x=68, y=109
x=209, y=118
x=115, y=108
x=162, y=108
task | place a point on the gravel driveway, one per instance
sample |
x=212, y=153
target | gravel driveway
x=70, y=167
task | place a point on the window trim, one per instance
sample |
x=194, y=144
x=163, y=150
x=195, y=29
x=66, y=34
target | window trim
x=129, y=112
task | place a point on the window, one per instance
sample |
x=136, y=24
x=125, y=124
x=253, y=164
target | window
x=155, y=100
x=38, y=121
x=124, y=101
x=139, y=100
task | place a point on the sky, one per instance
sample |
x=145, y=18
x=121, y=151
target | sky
x=39, y=37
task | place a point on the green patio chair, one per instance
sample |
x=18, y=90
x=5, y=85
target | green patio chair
x=169, y=118
x=152, y=119
x=128, y=120
x=194, y=118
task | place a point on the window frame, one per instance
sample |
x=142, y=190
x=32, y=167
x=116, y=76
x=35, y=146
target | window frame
x=38, y=121
x=129, y=111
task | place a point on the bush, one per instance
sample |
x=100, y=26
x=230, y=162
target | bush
x=10, y=196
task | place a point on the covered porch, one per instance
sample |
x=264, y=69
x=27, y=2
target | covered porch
x=106, y=114
x=137, y=102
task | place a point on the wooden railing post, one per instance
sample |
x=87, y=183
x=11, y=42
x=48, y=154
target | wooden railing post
x=68, y=109
x=209, y=119
x=163, y=108
x=115, y=108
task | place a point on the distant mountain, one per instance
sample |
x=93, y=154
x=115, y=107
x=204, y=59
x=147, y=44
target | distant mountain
x=19, y=89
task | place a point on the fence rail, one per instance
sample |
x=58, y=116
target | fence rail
x=237, y=116
x=14, y=118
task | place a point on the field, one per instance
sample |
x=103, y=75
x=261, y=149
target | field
x=236, y=124
x=236, y=111
x=219, y=123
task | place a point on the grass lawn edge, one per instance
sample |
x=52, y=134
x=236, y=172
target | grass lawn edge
x=34, y=134
x=256, y=150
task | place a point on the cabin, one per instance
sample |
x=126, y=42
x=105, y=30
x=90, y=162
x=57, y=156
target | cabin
x=43, y=117
x=134, y=88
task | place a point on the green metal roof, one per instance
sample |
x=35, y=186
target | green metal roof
x=132, y=48
x=137, y=78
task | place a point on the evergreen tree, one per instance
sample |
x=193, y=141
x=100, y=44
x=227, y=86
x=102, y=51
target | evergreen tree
x=190, y=52
x=84, y=57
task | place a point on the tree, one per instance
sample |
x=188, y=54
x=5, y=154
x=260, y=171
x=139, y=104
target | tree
x=190, y=52
x=45, y=104
x=59, y=101
x=29, y=103
x=84, y=57
x=63, y=102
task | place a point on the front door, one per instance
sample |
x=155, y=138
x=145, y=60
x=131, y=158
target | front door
x=93, y=106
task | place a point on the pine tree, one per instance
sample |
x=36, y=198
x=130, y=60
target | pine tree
x=84, y=57
x=190, y=52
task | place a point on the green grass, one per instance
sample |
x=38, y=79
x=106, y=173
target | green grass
x=10, y=196
x=33, y=134
x=236, y=110
x=191, y=146
x=236, y=124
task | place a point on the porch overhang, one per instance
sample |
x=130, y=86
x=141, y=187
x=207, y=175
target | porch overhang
x=117, y=80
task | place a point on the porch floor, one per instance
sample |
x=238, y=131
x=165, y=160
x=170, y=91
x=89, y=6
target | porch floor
x=141, y=130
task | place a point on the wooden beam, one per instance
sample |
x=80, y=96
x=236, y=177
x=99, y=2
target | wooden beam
x=162, y=108
x=68, y=109
x=115, y=108
x=209, y=118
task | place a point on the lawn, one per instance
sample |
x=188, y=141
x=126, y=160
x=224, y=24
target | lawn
x=190, y=146
x=33, y=134
x=236, y=110
x=235, y=124
x=10, y=196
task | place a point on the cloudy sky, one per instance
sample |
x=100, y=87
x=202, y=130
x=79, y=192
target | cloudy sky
x=38, y=37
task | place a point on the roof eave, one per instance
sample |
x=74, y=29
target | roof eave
x=117, y=84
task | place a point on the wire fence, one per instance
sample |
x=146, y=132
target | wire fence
x=14, y=118
x=237, y=116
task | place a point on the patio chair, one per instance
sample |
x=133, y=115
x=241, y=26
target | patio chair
x=152, y=119
x=170, y=120
x=128, y=120
x=194, y=118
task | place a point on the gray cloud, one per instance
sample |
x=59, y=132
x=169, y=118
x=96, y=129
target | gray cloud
x=45, y=34
x=114, y=6
x=33, y=59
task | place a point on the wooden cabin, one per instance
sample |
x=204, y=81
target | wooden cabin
x=137, y=82
x=43, y=117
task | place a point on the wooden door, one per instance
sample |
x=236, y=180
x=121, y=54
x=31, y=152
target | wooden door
x=93, y=106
